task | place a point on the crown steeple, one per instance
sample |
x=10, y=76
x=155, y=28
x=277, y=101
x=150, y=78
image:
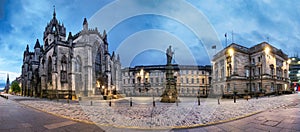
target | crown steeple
x=54, y=27
x=54, y=13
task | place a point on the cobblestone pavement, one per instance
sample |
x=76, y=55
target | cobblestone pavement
x=19, y=118
x=285, y=119
x=163, y=117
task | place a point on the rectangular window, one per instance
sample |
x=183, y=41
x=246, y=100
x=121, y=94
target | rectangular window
x=247, y=73
x=198, y=80
x=192, y=80
x=202, y=80
x=157, y=80
x=187, y=80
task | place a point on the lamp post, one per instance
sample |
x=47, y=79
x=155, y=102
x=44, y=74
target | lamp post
x=205, y=71
x=234, y=93
x=272, y=72
x=198, y=97
x=56, y=87
x=153, y=99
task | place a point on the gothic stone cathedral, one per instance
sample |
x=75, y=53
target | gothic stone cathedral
x=79, y=66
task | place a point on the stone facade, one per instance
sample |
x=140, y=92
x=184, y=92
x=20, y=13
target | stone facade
x=78, y=66
x=150, y=80
x=259, y=69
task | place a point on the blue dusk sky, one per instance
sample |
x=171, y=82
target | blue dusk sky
x=192, y=27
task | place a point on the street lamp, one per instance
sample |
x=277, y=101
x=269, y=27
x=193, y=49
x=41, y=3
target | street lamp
x=198, y=97
x=234, y=93
x=56, y=87
x=272, y=72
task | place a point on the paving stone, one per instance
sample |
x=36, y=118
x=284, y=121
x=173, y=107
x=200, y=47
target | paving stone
x=140, y=115
x=271, y=123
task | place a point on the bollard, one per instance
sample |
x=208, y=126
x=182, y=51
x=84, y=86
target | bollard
x=109, y=103
x=68, y=101
x=91, y=103
x=176, y=102
x=6, y=97
x=130, y=102
x=218, y=101
x=153, y=103
x=234, y=99
x=199, y=101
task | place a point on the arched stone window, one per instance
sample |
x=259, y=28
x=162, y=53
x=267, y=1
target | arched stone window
x=78, y=64
x=98, y=64
x=63, y=72
x=49, y=72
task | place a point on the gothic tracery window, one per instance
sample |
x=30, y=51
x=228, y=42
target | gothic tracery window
x=63, y=71
x=49, y=73
x=98, y=63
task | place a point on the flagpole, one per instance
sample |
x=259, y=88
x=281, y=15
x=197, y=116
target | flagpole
x=225, y=39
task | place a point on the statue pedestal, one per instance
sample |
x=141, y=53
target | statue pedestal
x=170, y=94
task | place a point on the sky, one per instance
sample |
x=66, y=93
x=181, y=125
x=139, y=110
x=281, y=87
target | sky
x=190, y=26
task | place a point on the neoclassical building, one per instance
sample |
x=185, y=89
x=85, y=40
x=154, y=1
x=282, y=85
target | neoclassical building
x=258, y=69
x=150, y=80
x=79, y=65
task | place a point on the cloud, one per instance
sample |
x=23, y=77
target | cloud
x=25, y=21
x=251, y=21
x=255, y=21
x=179, y=19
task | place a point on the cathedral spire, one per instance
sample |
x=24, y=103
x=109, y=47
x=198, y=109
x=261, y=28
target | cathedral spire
x=37, y=44
x=27, y=48
x=54, y=14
